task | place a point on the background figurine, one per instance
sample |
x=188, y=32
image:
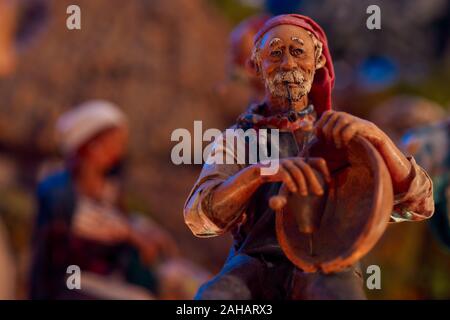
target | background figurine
x=430, y=145
x=416, y=125
x=239, y=55
x=82, y=220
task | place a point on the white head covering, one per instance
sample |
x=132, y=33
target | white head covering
x=77, y=126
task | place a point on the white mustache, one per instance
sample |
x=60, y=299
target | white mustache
x=288, y=77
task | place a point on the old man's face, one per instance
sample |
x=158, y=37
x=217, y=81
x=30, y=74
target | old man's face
x=287, y=58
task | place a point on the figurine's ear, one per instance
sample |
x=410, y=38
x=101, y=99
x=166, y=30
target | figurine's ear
x=321, y=61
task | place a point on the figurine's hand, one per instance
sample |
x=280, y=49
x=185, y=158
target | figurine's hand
x=280, y=200
x=107, y=227
x=341, y=127
x=301, y=176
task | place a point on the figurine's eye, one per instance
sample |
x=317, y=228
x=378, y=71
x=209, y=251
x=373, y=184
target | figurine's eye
x=297, y=52
x=275, y=53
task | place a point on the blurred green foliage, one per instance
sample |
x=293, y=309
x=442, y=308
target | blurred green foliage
x=435, y=87
x=235, y=10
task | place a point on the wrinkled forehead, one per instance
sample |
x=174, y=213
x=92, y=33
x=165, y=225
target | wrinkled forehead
x=286, y=35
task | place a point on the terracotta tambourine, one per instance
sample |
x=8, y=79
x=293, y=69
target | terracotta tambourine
x=332, y=232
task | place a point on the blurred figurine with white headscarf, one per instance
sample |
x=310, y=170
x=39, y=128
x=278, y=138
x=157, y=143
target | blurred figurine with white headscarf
x=83, y=221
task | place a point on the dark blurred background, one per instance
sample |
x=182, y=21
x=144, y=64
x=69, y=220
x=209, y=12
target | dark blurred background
x=161, y=61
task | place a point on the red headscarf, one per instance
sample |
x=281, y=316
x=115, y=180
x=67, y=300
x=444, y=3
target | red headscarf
x=320, y=94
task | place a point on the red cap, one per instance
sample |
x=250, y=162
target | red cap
x=320, y=94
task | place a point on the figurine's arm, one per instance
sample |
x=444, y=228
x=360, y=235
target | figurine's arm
x=222, y=193
x=416, y=203
x=412, y=187
x=199, y=215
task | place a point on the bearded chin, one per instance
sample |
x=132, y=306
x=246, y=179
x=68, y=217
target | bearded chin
x=295, y=94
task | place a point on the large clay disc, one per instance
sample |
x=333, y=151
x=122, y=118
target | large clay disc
x=356, y=210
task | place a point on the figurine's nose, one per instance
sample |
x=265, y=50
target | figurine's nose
x=288, y=62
